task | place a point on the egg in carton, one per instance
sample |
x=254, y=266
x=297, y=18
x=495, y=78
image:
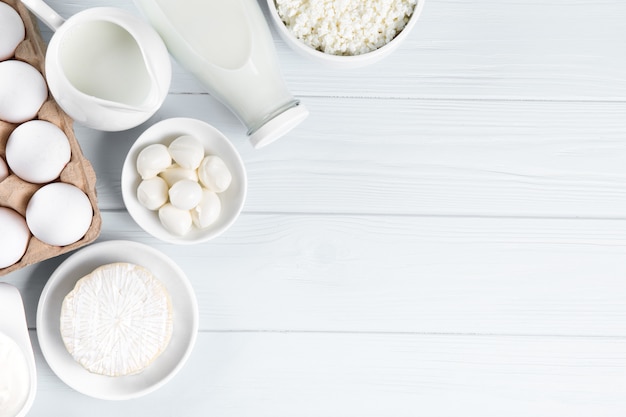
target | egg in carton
x=15, y=192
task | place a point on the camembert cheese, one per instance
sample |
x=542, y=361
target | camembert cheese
x=117, y=320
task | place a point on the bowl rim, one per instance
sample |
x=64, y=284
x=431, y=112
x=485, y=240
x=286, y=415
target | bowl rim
x=159, y=133
x=344, y=61
x=165, y=367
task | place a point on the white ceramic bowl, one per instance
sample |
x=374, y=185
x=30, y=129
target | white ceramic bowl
x=14, y=327
x=342, y=61
x=215, y=143
x=163, y=369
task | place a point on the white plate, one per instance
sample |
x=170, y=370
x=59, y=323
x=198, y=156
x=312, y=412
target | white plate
x=62, y=281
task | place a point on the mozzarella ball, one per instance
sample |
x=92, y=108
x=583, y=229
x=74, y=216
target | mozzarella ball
x=4, y=170
x=187, y=151
x=185, y=194
x=14, y=237
x=175, y=220
x=152, y=193
x=208, y=210
x=152, y=160
x=214, y=174
x=37, y=151
x=12, y=31
x=22, y=91
x=59, y=214
x=176, y=173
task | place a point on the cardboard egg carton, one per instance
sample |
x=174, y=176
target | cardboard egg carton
x=15, y=193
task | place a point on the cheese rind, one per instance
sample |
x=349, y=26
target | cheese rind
x=117, y=320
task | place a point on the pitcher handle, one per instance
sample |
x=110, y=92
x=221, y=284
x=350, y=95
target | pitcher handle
x=44, y=12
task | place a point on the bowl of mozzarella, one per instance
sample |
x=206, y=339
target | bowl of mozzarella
x=344, y=33
x=183, y=181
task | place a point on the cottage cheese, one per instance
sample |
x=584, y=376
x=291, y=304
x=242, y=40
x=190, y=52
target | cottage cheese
x=345, y=27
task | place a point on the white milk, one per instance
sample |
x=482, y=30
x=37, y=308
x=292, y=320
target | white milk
x=103, y=60
x=14, y=378
x=228, y=46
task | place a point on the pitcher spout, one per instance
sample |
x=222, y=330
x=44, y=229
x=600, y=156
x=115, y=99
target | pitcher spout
x=150, y=104
x=108, y=69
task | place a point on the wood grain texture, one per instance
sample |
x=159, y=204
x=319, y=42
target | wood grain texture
x=444, y=236
x=554, y=49
x=365, y=375
x=415, y=157
x=397, y=274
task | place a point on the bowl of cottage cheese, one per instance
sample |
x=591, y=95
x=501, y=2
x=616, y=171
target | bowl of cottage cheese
x=344, y=33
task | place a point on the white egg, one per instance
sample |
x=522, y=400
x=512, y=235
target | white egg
x=185, y=194
x=175, y=220
x=12, y=31
x=208, y=210
x=176, y=173
x=22, y=91
x=152, y=160
x=59, y=214
x=4, y=170
x=152, y=193
x=187, y=151
x=37, y=151
x=214, y=174
x=14, y=237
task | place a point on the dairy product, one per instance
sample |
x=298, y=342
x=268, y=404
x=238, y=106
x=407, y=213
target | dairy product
x=152, y=160
x=227, y=45
x=152, y=193
x=208, y=210
x=186, y=151
x=184, y=196
x=214, y=174
x=117, y=320
x=14, y=377
x=103, y=60
x=345, y=27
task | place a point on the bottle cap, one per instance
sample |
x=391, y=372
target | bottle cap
x=278, y=126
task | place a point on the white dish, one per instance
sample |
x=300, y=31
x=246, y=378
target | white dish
x=215, y=143
x=13, y=324
x=342, y=61
x=62, y=281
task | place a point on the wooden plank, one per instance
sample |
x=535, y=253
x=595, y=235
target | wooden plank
x=415, y=157
x=464, y=49
x=396, y=274
x=287, y=374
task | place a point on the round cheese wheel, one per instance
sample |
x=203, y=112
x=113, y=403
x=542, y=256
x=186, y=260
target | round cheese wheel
x=117, y=320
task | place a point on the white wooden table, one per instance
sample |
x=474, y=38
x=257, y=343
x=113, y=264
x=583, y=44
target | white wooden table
x=445, y=235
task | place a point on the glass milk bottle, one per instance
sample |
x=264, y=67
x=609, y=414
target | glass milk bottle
x=228, y=46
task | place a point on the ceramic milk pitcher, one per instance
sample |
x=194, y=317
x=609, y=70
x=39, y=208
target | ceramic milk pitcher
x=228, y=46
x=106, y=68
